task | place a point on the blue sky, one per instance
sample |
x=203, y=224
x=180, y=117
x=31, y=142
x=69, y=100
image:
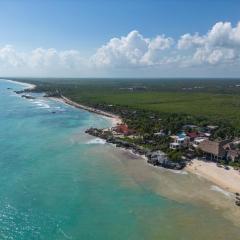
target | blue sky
x=85, y=26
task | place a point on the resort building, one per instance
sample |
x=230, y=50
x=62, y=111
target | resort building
x=214, y=150
x=192, y=135
x=198, y=140
x=123, y=129
x=179, y=141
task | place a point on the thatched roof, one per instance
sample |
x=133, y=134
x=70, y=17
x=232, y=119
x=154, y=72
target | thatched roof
x=212, y=147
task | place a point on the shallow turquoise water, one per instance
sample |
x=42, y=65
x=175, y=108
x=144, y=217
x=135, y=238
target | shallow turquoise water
x=55, y=184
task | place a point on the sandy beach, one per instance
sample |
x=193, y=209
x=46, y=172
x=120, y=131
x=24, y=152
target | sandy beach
x=227, y=179
x=115, y=119
x=27, y=85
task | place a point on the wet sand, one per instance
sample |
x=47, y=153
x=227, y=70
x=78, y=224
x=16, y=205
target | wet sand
x=181, y=186
x=226, y=179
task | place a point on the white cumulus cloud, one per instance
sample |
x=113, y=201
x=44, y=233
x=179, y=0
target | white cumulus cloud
x=217, y=50
x=9, y=57
x=132, y=50
x=221, y=44
x=39, y=60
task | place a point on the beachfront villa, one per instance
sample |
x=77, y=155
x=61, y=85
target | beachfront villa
x=215, y=150
x=212, y=150
x=192, y=135
x=198, y=140
x=179, y=141
x=123, y=129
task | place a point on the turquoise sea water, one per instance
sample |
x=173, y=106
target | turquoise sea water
x=58, y=183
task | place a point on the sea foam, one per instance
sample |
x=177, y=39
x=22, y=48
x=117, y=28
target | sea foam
x=41, y=104
x=96, y=141
x=178, y=171
x=218, y=189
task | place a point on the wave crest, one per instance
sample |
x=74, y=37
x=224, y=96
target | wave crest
x=96, y=141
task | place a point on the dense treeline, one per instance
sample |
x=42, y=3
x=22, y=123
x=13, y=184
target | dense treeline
x=151, y=105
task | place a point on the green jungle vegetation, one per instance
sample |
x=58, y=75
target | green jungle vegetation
x=217, y=99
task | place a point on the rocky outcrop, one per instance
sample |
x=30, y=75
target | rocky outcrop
x=156, y=158
x=28, y=97
x=24, y=95
x=159, y=158
x=20, y=91
x=237, y=201
x=107, y=135
x=173, y=165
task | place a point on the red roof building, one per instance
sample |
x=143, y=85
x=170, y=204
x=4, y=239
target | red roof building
x=192, y=135
x=123, y=128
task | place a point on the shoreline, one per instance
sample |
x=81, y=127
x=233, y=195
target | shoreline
x=136, y=175
x=115, y=119
x=28, y=86
x=229, y=180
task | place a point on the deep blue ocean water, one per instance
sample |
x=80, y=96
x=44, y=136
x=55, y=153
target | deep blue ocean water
x=55, y=183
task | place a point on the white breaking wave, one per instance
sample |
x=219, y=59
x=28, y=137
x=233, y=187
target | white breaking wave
x=41, y=104
x=28, y=85
x=59, y=109
x=178, y=171
x=63, y=233
x=96, y=141
x=218, y=189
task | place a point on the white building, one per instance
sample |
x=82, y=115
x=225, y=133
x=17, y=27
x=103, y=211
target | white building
x=175, y=146
x=198, y=140
x=180, y=140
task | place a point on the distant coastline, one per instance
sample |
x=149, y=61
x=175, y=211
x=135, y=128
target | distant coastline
x=115, y=119
x=29, y=86
x=207, y=170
